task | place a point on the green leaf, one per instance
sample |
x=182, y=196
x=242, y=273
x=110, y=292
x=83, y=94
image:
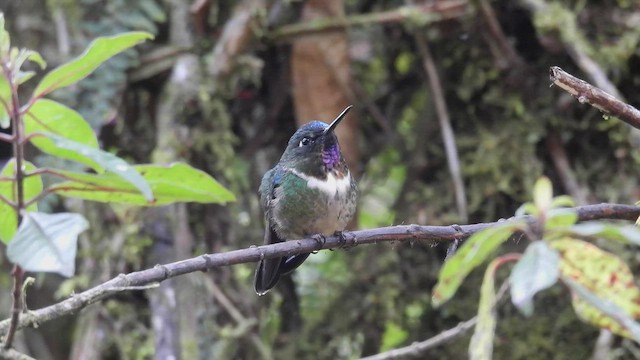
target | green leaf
x=24, y=55
x=481, y=345
x=48, y=116
x=604, y=275
x=32, y=187
x=178, y=182
x=24, y=76
x=47, y=243
x=562, y=201
x=393, y=336
x=543, y=193
x=537, y=270
x=527, y=208
x=5, y=40
x=602, y=312
x=99, y=160
x=5, y=102
x=472, y=253
x=100, y=50
x=560, y=218
x=627, y=234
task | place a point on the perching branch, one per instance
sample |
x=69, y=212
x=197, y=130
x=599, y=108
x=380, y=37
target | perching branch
x=159, y=273
x=589, y=94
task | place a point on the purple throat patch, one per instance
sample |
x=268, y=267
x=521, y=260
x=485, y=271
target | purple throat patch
x=331, y=156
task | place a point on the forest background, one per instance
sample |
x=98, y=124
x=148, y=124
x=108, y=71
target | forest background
x=454, y=121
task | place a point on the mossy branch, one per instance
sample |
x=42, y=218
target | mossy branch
x=422, y=14
x=142, y=279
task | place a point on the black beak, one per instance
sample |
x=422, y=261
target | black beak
x=335, y=122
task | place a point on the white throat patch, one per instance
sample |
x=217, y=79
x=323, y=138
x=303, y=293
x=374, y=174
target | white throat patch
x=331, y=186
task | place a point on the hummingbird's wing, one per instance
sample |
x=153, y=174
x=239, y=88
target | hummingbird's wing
x=268, y=270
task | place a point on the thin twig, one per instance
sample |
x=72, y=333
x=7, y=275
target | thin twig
x=448, y=137
x=160, y=273
x=18, y=276
x=418, y=348
x=3, y=199
x=508, y=57
x=563, y=167
x=574, y=41
x=6, y=138
x=237, y=316
x=425, y=14
x=589, y=94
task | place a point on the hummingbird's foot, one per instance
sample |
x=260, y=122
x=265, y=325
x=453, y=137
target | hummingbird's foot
x=320, y=239
x=455, y=244
x=342, y=240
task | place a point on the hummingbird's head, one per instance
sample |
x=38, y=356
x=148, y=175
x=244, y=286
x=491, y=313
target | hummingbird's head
x=314, y=147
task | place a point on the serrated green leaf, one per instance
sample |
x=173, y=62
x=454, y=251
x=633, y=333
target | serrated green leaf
x=604, y=275
x=47, y=243
x=602, y=312
x=48, y=116
x=32, y=187
x=560, y=218
x=543, y=193
x=627, y=234
x=472, y=253
x=536, y=270
x=5, y=102
x=100, y=50
x=481, y=345
x=175, y=183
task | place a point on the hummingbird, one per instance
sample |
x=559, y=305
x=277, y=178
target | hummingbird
x=309, y=192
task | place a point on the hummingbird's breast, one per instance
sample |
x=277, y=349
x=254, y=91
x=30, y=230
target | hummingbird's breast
x=306, y=205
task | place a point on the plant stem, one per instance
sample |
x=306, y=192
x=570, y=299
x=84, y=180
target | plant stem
x=18, y=153
x=18, y=278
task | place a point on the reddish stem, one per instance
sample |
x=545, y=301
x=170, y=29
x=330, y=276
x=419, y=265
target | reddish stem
x=18, y=279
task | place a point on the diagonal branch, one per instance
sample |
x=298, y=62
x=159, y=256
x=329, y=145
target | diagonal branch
x=601, y=100
x=134, y=280
x=448, y=136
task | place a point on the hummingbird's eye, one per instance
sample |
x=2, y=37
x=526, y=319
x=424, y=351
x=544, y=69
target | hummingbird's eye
x=305, y=141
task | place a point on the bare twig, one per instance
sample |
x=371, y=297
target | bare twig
x=574, y=41
x=448, y=136
x=508, y=57
x=589, y=94
x=237, y=316
x=349, y=239
x=236, y=36
x=18, y=276
x=561, y=163
x=6, y=137
x=418, y=348
x=426, y=14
